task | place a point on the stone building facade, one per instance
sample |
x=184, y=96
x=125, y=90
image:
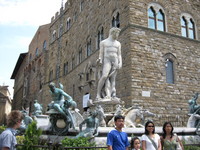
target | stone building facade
x=5, y=104
x=29, y=72
x=160, y=52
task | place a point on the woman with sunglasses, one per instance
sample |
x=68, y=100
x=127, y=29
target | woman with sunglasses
x=169, y=140
x=150, y=140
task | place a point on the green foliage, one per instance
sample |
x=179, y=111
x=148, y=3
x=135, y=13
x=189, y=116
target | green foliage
x=78, y=142
x=2, y=128
x=31, y=137
x=191, y=148
x=20, y=139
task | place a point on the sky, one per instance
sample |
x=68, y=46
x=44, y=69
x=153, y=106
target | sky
x=19, y=21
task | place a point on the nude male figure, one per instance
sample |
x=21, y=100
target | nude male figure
x=110, y=56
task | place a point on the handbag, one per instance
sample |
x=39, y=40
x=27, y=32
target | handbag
x=178, y=143
x=154, y=144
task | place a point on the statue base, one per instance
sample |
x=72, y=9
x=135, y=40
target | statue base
x=59, y=123
x=109, y=105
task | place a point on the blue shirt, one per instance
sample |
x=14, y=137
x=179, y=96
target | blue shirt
x=118, y=140
x=7, y=139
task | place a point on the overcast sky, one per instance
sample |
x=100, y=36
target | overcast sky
x=19, y=20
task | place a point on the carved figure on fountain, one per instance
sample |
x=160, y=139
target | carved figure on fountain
x=25, y=122
x=37, y=108
x=134, y=117
x=60, y=116
x=92, y=124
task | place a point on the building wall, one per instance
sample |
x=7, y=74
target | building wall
x=142, y=79
x=143, y=50
x=35, y=68
x=5, y=104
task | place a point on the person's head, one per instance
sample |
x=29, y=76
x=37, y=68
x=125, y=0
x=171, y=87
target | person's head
x=14, y=119
x=167, y=129
x=114, y=32
x=149, y=127
x=52, y=86
x=135, y=143
x=119, y=121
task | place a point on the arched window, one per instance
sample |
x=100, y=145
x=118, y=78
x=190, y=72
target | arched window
x=160, y=21
x=68, y=23
x=65, y=68
x=89, y=50
x=80, y=55
x=183, y=27
x=61, y=30
x=44, y=45
x=191, y=29
x=169, y=71
x=116, y=21
x=73, y=62
x=36, y=52
x=152, y=18
x=156, y=17
x=30, y=57
x=187, y=26
x=54, y=36
x=100, y=37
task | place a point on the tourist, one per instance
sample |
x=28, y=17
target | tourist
x=110, y=57
x=150, y=140
x=135, y=143
x=116, y=138
x=7, y=137
x=169, y=140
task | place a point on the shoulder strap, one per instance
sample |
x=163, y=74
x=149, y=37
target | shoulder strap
x=154, y=144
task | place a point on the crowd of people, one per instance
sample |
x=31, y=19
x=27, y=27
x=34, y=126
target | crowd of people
x=118, y=140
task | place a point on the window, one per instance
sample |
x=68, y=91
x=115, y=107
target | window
x=75, y=16
x=183, y=27
x=80, y=56
x=116, y=21
x=152, y=18
x=81, y=6
x=30, y=57
x=65, y=68
x=191, y=29
x=187, y=26
x=36, y=52
x=89, y=51
x=61, y=30
x=57, y=71
x=156, y=22
x=100, y=37
x=161, y=21
x=169, y=71
x=54, y=36
x=73, y=62
x=51, y=75
x=68, y=23
x=44, y=45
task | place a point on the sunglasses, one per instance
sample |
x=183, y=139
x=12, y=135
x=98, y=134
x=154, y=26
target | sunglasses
x=150, y=126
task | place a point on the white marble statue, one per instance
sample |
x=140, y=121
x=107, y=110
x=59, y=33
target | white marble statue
x=101, y=116
x=110, y=57
x=134, y=117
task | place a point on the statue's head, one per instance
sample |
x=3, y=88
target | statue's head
x=35, y=101
x=52, y=85
x=114, y=32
